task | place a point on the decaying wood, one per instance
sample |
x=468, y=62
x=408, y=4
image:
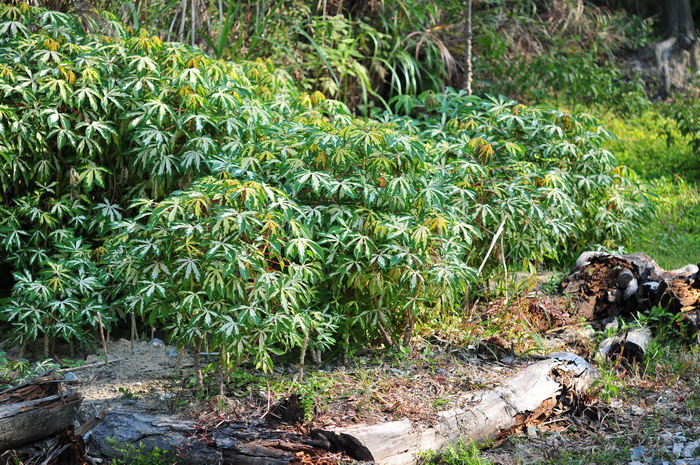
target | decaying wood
x=527, y=397
x=632, y=345
x=604, y=285
x=228, y=444
x=35, y=410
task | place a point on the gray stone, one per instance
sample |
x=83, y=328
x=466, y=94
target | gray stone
x=638, y=453
x=690, y=448
x=70, y=377
x=156, y=342
x=171, y=353
x=678, y=449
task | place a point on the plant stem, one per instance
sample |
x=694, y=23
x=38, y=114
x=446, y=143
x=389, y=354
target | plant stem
x=468, y=44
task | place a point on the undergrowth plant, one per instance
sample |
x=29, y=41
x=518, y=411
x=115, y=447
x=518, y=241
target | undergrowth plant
x=242, y=214
x=454, y=454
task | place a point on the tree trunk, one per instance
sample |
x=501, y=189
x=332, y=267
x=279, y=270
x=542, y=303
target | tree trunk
x=679, y=49
x=528, y=397
x=35, y=410
x=679, y=22
x=632, y=345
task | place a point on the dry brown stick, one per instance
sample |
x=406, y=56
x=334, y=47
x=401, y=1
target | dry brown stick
x=88, y=425
x=102, y=336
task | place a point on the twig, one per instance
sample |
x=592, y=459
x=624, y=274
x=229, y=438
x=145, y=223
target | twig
x=493, y=243
x=91, y=365
x=102, y=336
x=52, y=455
x=468, y=54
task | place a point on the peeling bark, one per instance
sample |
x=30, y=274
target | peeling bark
x=34, y=411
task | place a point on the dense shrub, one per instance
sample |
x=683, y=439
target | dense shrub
x=216, y=200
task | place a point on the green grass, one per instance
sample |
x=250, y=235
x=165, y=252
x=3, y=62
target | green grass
x=651, y=145
x=672, y=238
x=457, y=454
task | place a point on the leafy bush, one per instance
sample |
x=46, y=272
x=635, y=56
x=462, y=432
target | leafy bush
x=217, y=200
x=361, y=57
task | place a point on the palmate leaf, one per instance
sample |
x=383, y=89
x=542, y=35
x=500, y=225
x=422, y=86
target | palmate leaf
x=189, y=267
x=92, y=175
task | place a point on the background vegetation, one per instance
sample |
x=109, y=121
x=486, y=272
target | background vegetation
x=266, y=178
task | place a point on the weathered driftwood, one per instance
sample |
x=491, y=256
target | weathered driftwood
x=527, y=397
x=631, y=345
x=34, y=411
x=603, y=285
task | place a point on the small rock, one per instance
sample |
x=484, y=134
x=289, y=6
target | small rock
x=171, y=353
x=690, y=448
x=638, y=453
x=678, y=449
x=635, y=462
x=637, y=411
x=70, y=377
x=532, y=431
x=155, y=342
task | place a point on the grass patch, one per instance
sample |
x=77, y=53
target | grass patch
x=672, y=238
x=652, y=146
x=457, y=454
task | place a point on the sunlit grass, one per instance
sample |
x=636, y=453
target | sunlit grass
x=651, y=145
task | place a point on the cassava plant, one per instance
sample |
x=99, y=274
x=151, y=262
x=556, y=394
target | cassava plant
x=220, y=202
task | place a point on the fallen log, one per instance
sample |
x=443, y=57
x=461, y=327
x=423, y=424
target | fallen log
x=35, y=410
x=195, y=444
x=528, y=397
x=632, y=345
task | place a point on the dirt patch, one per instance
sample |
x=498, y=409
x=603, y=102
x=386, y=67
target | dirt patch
x=140, y=379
